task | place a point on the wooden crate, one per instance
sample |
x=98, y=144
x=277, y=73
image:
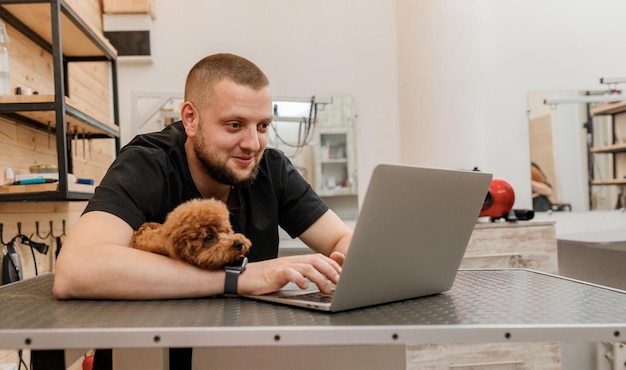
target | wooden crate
x=500, y=356
x=523, y=244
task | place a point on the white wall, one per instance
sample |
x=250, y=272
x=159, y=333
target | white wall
x=322, y=47
x=439, y=83
x=466, y=67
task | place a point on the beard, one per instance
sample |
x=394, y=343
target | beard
x=217, y=169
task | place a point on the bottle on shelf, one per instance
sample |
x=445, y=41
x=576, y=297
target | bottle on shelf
x=5, y=84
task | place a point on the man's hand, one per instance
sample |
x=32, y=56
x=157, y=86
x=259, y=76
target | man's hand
x=271, y=275
x=338, y=257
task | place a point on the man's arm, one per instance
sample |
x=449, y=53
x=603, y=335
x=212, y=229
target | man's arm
x=96, y=262
x=330, y=237
x=328, y=234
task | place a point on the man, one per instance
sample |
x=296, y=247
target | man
x=218, y=150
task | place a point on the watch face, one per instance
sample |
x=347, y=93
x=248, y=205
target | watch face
x=239, y=267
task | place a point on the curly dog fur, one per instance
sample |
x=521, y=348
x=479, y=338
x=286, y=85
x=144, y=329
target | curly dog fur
x=198, y=232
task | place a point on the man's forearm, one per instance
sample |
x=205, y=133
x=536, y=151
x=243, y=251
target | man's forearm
x=116, y=272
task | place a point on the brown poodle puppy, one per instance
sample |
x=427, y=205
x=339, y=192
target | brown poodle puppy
x=198, y=232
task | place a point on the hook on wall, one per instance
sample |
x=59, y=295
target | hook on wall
x=52, y=232
x=37, y=231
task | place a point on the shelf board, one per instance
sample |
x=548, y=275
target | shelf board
x=609, y=182
x=38, y=188
x=76, y=42
x=607, y=109
x=40, y=108
x=45, y=192
x=616, y=148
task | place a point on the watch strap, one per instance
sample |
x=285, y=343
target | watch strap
x=230, y=284
x=231, y=279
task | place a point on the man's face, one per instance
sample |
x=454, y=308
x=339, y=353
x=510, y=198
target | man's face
x=232, y=132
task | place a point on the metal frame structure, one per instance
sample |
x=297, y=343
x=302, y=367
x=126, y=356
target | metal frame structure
x=58, y=10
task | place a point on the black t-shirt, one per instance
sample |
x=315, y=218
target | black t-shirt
x=150, y=177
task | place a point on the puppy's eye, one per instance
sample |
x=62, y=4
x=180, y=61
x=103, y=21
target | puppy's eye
x=209, y=238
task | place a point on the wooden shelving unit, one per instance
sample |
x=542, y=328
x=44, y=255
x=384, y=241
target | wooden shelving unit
x=55, y=27
x=41, y=110
x=616, y=146
x=609, y=109
x=609, y=182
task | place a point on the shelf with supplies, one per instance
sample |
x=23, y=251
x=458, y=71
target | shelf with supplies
x=39, y=110
x=42, y=189
x=337, y=165
x=75, y=101
x=608, y=151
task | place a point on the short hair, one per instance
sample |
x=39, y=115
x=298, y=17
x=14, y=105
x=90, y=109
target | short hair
x=212, y=69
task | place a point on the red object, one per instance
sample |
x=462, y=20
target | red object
x=499, y=201
x=88, y=362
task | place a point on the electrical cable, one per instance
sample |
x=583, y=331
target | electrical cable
x=32, y=252
x=20, y=354
x=305, y=129
x=40, y=247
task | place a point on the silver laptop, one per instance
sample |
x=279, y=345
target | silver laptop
x=410, y=236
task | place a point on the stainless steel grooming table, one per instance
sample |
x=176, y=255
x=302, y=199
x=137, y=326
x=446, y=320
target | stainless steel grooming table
x=505, y=305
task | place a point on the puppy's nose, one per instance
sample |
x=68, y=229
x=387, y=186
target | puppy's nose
x=238, y=245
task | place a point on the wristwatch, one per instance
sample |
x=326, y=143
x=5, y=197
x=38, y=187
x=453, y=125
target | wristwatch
x=232, y=276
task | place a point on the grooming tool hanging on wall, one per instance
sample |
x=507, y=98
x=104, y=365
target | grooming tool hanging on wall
x=11, y=263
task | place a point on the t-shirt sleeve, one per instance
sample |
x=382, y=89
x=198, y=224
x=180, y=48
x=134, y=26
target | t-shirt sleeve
x=133, y=188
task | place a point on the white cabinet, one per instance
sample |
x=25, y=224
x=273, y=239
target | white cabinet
x=335, y=171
